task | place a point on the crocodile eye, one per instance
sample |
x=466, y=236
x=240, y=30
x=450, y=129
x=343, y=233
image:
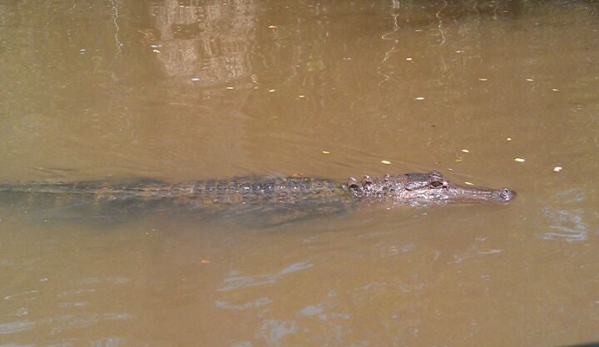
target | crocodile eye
x=439, y=184
x=436, y=175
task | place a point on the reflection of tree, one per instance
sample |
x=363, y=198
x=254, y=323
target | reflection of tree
x=208, y=41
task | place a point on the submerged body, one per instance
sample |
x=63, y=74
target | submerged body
x=259, y=192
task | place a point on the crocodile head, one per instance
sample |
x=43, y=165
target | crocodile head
x=422, y=189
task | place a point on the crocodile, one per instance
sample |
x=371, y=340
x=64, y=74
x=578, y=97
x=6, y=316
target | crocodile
x=261, y=193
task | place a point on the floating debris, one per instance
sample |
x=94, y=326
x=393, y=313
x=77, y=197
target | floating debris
x=483, y=79
x=468, y=183
x=520, y=160
x=530, y=80
x=301, y=96
x=230, y=88
x=419, y=98
x=555, y=89
x=509, y=139
x=195, y=79
x=465, y=150
x=326, y=152
x=386, y=162
x=557, y=169
x=409, y=59
x=272, y=90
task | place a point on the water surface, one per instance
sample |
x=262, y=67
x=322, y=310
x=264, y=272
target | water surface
x=488, y=92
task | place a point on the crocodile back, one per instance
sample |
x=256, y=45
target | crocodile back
x=265, y=190
x=260, y=191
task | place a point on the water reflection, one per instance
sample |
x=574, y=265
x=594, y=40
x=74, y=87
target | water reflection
x=206, y=43
x=74, y=307
x=569, y=222
x=236, y=281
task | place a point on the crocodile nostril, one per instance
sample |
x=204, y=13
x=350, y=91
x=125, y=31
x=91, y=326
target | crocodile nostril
x=507, y=195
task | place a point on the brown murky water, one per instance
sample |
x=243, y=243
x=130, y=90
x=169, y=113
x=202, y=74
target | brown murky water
x=180, y=90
